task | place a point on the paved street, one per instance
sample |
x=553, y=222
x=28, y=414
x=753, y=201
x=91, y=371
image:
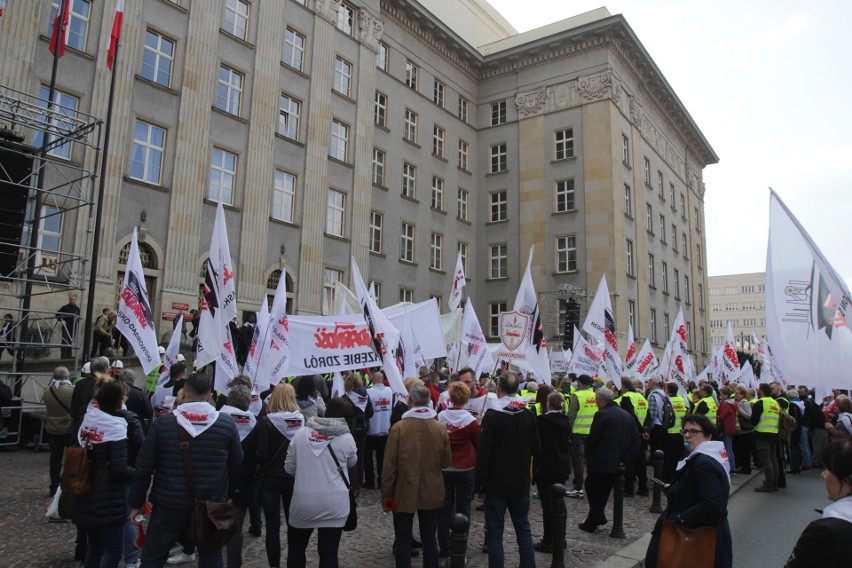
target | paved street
x=27, y=539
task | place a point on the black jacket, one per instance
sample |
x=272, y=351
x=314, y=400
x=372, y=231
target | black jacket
x=824, y=542
x=139, y=405
x=135, y=436
x=698, y=497
x=613, y=439
x=210, y=453
x=241, y=477
x=554, y=460
x=84, y=392
x=507, y=441
x=270, y=460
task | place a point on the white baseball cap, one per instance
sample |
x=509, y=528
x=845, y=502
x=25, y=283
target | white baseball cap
x=117, y=364
x=180, y=357
x=87, y=368
x=162, y=350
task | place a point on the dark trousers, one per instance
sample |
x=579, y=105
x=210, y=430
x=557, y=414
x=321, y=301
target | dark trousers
x=546, y=498
x=234, y=548
x=402, y=531
x=165, y=526
x=255, y=509
x=674, y=451
x=637, y=469
x=357, y=473
x=495, y=514
x=782, y=455
x=658, y=442
x=100, y=343
x=328, y=541
x=743, y=451
x=458, y=495
x=375, y=448
x=768, y=452
x=56, y=443
x=578, y=459
x=105, y=546
x=598, y=488
x=275, y=492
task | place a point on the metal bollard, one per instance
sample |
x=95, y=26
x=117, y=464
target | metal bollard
x=656, y=503
x=560, y=518
x=459, y=525
x=618, y=505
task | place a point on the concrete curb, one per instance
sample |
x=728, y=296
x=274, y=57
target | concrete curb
x=633, y=555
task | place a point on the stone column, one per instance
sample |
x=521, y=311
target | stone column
x=20, y=28
x=532, y=197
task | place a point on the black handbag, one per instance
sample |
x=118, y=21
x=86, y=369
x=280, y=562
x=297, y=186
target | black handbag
x=211, y=523
x=352, y=519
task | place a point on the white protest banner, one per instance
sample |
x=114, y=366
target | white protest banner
x=135, y=320
x=557, y=362
x=586, y=358
x=324, y=344
x=257, y=340
x=428, y=327
x=729, y=370
x=459, y=282
x=600, y=326
x=646, y=362
x=274, y=357
x=473, y=344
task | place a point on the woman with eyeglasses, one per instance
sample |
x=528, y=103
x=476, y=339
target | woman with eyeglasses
x=698, y=494
x=826, y=541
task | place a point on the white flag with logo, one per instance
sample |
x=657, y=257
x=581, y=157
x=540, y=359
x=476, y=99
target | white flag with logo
x=586, y=358
x=135, y=319
x=646, y=362
x=275, y=358
x=458, y=284
x=172, y=352
x=258, y=340
x=747, y=375
x=473, y=344
x=729, y=370
x=410, y=350
x=600, y=326
x=807, y=305
x=631, y=358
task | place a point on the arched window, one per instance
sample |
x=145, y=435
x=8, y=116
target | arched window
x=289, y=286
x=146, y=255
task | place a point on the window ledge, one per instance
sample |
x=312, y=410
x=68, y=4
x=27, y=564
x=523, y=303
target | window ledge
x=377, y=186
x=465, y=221
x=412, y=142
x=298, y=72
x=496, y=278
x=237, y=39
x=344, y=97
x=382, y=127
x=142, y=183
x=409, y=198
x=228, y=114
x=497, y=222
x=441, y=211
x=378, y=254
x=290, y=140
x=567, y=211
x=209, y=201
x=652, y=286
x=627, y=165
x=68, y=48
x=408, y=262
x=335, y=237
x=500, y=173
x=440, y=157
x=563, y=160
x=437, y=270
x=174, y=5
x=283, y=222
x=461, y=169
x=562, y=273
x=156, y=85
x=341, y=162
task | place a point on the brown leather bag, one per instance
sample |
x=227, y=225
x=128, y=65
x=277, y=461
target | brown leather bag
x=680, y=546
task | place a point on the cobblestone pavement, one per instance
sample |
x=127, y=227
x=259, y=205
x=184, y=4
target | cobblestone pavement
x=28, y=539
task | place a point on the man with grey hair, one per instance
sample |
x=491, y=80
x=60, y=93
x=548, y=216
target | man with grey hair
x=57, y=402
x=613, y=440
x=657, y=400
x=417, y=450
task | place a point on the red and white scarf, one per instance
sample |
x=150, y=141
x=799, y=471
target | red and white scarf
x=288, y=423
x=196, y=417
x=245, y=420
x=422, y=412
x=509, y=404
x=455, y=419
x=99, y=427
x=317, y=442
x=358, y=400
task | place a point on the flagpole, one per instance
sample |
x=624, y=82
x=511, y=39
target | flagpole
x=96, y=239
x=36, y=211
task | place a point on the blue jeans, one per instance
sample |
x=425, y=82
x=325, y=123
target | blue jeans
x=458, y=495
x=402, y=531
x=165, y=526
x=728, y=440
x=495, y=513
x=131, y=552
x=804, y=444
x=104, y=546
x=275, y=492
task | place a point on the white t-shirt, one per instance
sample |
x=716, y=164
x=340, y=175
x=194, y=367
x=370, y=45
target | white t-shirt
x=382, y=399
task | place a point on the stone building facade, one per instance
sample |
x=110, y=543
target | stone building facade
x=740, y=299
x=396, y=132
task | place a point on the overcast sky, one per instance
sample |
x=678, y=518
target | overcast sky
x=768, y=83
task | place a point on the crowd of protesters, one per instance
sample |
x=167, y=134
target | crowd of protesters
x=454, y=440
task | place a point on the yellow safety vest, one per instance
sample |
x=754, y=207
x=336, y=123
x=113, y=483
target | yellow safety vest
x=679, y=406
x=712, y=408
x=586, y=411
x=640, y=405
x=770, y=416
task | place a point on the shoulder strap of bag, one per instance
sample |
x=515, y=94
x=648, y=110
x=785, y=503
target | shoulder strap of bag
x=268, y=465
x=339, y=467
x=62, y=404
x=187, y=466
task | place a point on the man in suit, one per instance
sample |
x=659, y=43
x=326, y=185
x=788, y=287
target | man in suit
x=613, y=440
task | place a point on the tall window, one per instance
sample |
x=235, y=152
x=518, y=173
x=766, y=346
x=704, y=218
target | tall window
x=463, y=109
x=438, y=92
x=666, y=326
x=78, y=22
x=674, y=238
x=663, y=229
x=625, y=149
x=672, y=196
x=406, y=295
x=64, y=105
x=566, y=254
x=498, y=113
x=380, y=110
x=49, y=244
x=499, y=257
x=288, y=117
x=377, y=223
x=330, y=278
x=631, y=265
x=498, y=158
x=499, y=206
x=378, y=167
x=223, y=176
x=437, y=199
x=464, y=152
x=409, y=128
x=685, y=244
x=700, y=296
x=652, y=323
x=383, y=56
x=698, y=254
x=564, y=143
x=683, y=206
x=294, y=49
x=494, y=310
x=335, y=213
x=339, y=140
x=283, y=196
x=237, y=18
x=406, y=242
x=436, y=252
x=628, y=201
x=697, y=220
x=687, y=297
x=565, y=196
x=646, y=171
x=345, y=18
x=660, y=185
x=342, y=76
x=677, y=284
x=411, y=75
x=463, y=200
x=631, y=316
x=230, y=90
x=649, y=218
x=461, y=250
x=438, y=141
x=652, y=271
x=409, y=180
x=665, y=273
x=149, y=142
x=157, y=58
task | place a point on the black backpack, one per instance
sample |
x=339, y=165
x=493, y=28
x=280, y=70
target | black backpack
x=668, y=419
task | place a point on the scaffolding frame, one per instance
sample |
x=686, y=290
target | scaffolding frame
x=64, y=189
x=551, y=315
